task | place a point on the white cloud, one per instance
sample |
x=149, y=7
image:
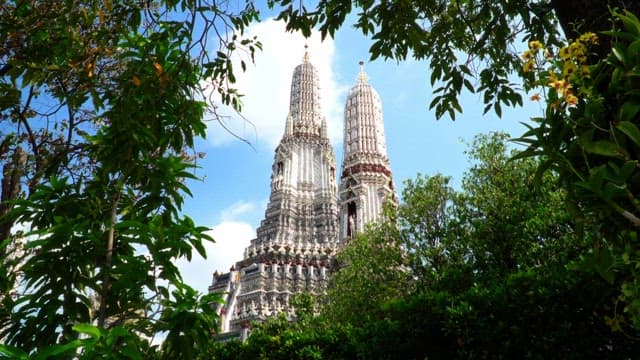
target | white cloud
x=231, y=238
x=232, y=235
x=267, y=85
x=237, y=209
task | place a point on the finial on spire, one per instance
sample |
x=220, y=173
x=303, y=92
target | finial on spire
x=306, y=53
x=362, y=77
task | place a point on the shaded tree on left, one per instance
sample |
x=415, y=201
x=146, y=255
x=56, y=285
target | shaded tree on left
x=100, y=105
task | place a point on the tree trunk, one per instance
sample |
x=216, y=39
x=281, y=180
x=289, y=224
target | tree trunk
x=12, y=173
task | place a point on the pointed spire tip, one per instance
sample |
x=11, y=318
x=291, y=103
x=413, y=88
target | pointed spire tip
x=362, y=76
x=306, y=53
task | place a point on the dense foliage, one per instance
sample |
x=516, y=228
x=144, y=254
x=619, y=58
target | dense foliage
x=100, y=106
x=590, y=134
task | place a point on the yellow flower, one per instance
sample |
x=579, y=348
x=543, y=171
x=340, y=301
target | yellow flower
x=565, y=53
x=568, y=69
x=584, y=70
x=571, y=99
x=90, y=67
x=527, y=55
x=577, y=49
x=528, y=66
x=561, y=86
x=535, y=45
x=557, y=84
x=589, y=38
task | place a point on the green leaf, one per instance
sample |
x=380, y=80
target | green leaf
x=12, y=352
x=629, y=110
x=630, y=23
x=604, y=148
x=634, y=49
x=88, y=329
x=47, y=353
x=603, y=262
x=629, y=128
x=627, y=169
x=468, y=85
x=618, y=53
x=497, y=108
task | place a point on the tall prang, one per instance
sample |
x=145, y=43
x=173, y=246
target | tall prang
x=365, y=182
x=296, y=242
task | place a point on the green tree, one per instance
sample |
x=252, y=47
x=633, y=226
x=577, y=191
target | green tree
x=493, y=271
x=373, y=264
x=429, y=230
x=100, y=106
x=512, y=224
x=589, y=135
x=279, y=338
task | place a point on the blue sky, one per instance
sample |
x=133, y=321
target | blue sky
x=233, y=193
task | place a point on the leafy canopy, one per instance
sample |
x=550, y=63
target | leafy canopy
x=101, y=104
x=469, y=45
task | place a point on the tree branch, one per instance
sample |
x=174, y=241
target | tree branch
x=109, y=256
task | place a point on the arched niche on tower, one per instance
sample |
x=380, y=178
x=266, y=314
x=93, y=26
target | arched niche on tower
x=278, y=171
x=352, y=218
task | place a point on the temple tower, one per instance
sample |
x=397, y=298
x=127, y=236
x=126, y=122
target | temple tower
x=366, y=182
x=297, y=240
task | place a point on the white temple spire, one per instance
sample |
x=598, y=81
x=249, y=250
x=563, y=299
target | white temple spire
x=304, y=103
x=297, y=240
x=366, y=182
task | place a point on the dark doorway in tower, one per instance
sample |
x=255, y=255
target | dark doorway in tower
x=351, y=219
